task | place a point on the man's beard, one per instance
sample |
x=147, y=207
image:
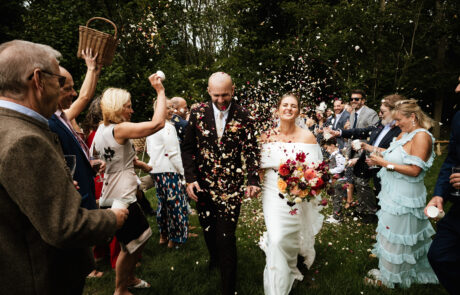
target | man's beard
x=386, y=121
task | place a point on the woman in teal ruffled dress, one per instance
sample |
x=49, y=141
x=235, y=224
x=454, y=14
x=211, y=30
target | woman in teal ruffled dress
x=403, y=231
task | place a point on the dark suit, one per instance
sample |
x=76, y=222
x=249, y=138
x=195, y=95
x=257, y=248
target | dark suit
x=444, y=253
x=366, y=197
x=45, y=234
x=339, y=125
x=84, y=174
x=373, y=132
x=180, y=125
x=217, y=166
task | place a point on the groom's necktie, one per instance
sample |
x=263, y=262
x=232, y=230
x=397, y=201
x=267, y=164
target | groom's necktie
x=220, y=124
x=356, y=120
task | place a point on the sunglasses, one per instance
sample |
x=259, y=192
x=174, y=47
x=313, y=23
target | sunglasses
x=61, y=79
x=354, y=98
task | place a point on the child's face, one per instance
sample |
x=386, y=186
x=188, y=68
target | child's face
x=330, y=148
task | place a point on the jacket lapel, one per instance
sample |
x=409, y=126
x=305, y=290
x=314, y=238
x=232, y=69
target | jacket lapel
x=231, y=112
x=69, y=134
x=211, y=122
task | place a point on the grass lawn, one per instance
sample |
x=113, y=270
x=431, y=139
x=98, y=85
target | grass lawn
x=342, y=259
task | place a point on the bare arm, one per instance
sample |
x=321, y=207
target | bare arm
x=420, y=147
x=126, y=130
x=88, y=87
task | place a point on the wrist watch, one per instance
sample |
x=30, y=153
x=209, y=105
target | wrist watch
x=390, y=167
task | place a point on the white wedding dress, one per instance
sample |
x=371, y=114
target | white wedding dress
x=287, y=235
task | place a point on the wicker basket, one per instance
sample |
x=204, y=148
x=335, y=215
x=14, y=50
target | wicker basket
x=102, y=43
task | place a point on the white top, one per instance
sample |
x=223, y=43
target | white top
x=164, y=150
x=340, y=163
x=120, y=181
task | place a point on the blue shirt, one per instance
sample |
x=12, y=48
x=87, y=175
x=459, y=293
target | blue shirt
x=23, y=110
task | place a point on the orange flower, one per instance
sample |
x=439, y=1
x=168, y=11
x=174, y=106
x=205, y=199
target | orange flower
x=309, y=174
x=282, y=185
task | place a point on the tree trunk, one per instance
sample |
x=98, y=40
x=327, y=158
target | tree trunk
x=440, y=68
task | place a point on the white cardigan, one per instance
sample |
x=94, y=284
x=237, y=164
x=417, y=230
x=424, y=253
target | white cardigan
x=164, y=150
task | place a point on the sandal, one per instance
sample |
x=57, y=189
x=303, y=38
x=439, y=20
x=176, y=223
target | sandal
x=95, y=274
x=163, y=240
x=192, y=235
x=140, y=285
x=347, y=205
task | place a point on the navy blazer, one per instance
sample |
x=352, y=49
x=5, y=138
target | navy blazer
x=342, y=121
x=180, y=125
x=372, y=132
x=443, y=188
x=84, y=174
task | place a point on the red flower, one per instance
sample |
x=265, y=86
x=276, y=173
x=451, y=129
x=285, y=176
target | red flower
x=301, y=157
x=319, y=183
x=284, y=170
x=323, y=202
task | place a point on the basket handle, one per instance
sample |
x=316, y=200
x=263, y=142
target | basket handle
x=106, y=20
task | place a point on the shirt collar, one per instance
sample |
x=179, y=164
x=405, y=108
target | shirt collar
x=23, y=110
x=216, y=110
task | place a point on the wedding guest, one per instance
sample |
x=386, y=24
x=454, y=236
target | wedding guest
x=337, y=164
x=112, y=140
x=380, y=136
x=165, y=158
x=46, y=234
x=219, y=133
x=339, y=120
x=361, y=117
x=90, y=124
x=71, y=142
x=444, y=253
x=179, y=118
x=403, y=231
x=329, y=116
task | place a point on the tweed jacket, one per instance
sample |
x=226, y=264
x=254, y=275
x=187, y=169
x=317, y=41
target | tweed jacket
x=45, y=234
x=216, y=164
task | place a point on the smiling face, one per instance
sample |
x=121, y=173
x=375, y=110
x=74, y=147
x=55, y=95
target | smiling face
x=385, y=115
x=406, y=124
x=338, y=107
x=357, y=101
x=68, y=93
x=127, y=111
x=220, y=88
x=288, y=108
x=169, y=109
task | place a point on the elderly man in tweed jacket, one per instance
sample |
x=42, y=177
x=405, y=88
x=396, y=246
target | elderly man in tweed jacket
x=45, y=234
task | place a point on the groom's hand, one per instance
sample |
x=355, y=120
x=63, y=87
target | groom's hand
x=191, y=188
x=252, y=191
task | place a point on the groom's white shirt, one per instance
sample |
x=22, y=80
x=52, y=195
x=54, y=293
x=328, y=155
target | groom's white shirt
x=216, y=114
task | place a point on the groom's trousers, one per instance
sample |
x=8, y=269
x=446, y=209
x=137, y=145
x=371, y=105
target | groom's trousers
x=219, y=219
x=444, y=253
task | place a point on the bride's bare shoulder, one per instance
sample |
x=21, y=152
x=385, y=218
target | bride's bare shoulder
x=306, y=136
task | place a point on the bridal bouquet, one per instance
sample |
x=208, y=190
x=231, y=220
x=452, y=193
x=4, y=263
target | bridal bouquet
x=299, y=181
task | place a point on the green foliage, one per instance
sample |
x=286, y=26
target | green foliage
x=406, y=46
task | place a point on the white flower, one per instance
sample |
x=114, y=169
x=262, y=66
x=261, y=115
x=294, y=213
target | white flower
x=298, y=200
x=357, y=48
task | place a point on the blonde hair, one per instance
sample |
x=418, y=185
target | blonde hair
x=112, y=102
x=408, y=107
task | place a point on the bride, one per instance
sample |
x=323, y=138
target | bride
x=288, y=235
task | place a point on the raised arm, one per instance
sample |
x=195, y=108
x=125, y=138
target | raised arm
x=126, y=130
x=88, y=88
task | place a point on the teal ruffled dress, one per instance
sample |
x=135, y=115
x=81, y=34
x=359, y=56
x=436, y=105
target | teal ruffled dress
x=403, y=231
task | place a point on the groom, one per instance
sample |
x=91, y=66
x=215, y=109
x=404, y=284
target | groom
x=219, y=135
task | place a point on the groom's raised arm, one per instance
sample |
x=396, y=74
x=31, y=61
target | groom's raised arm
x=251, y=151
x=189, y=149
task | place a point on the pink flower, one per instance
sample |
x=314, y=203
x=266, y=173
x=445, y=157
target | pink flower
x=309, y=174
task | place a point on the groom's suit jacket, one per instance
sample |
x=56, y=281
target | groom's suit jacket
x=216, y=164
x=84, y=174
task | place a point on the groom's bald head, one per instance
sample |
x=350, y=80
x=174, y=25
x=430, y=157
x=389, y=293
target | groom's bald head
x=220, y=88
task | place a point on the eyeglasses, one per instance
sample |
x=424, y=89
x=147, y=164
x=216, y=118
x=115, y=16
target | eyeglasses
x=61, y=79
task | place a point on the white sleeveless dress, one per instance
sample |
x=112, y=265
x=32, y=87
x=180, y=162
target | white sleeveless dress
x=287, y=235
